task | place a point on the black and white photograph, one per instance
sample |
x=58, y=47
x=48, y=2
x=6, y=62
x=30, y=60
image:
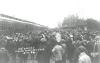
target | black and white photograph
x=49, y=31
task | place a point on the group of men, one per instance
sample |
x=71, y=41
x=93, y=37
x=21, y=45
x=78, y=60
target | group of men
x=58, y=47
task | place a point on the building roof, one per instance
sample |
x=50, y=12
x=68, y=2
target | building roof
x=10, y=24
x=14, y=19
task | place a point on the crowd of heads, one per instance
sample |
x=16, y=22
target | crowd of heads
x=76, y=36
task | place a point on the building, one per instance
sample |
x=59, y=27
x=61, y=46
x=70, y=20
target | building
x=9, y=24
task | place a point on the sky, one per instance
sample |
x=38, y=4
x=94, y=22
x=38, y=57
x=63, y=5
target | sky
x=50, y=12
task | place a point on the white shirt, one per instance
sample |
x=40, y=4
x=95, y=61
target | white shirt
x=58, y=37
x=58, y=52
x=84, y=58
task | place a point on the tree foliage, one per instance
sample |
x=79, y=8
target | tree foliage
x=76, y=22
x=73, y=22
x=93, y=24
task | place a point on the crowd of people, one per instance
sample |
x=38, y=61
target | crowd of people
x=58, y=46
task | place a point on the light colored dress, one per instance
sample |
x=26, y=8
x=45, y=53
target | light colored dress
x=84, y=58
x=58, y=52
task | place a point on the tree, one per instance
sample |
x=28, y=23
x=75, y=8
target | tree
x=93, y=24
x=73, y=22
x=59, y=24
